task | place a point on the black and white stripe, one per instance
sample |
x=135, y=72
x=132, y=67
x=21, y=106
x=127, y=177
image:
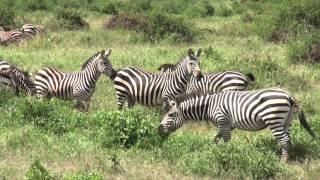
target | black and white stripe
x=246, y=110
x=215, y=82
x=32, y=30
x=74, y=85
x=8, y=37
x=16, y=79
x=149, y=89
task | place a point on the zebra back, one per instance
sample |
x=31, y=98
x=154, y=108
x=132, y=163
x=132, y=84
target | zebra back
x=33, y=30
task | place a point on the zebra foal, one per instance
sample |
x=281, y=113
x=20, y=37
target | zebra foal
x=80, y=86
x=16, y=79
x=246, y=110
x=134, y=85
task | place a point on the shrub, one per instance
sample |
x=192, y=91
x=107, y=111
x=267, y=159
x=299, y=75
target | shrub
x=154, y=27
x=7, y=16
x=110, y=8
x=163, y=25
x=53, y=117
x=306, y=49
x=289, y=20
x=38, y=171
x=70, y=19
x=125, y=129
x=33, y=5
x=130, y=21
x=197, y=155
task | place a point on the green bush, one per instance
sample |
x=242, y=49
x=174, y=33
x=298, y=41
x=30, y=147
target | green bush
x=155, y=27
x=70, y=19
x=33, y=5
x=164, y=25
x=306, y=49
x=126, y=128
x=38, y=171
x=110, y=8
x=198, y=155
x=7, y=17
x=288, y=20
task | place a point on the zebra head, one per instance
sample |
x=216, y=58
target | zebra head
x=171, y=121
x=193, y=63
x=25, y=82
x=105, y=66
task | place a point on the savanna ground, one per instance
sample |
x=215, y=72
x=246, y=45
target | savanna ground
x=276, y=41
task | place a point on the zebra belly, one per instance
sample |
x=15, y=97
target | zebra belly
x=258, y=125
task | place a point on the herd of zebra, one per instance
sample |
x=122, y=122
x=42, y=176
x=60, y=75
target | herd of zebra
x=18, y=35
x=181, y=88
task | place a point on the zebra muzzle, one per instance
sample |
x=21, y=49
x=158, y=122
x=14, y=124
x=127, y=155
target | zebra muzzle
x=162, y=132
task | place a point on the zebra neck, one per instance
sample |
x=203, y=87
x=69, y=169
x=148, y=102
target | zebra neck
x=182, y=75
x=91, y=74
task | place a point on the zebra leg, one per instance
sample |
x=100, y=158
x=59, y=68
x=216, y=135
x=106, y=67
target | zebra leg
x=224, y=129
x=278, y=131
x=121, y=101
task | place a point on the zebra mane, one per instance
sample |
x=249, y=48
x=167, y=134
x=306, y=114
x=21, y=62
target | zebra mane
x=184, y=97
x=85, y=64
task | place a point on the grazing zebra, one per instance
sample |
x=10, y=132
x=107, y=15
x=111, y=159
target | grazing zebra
x=74, y=85
x=215, y=82
x=16, y=79
x=32, y=30
x=246, y=110
x=8, y=37
x=149, y=89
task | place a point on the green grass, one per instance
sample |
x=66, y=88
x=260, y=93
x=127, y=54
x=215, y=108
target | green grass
x=38, y=136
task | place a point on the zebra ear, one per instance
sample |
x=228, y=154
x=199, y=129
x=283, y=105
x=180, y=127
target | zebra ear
x=190, y=53
x=198, y=53
x=107, y=53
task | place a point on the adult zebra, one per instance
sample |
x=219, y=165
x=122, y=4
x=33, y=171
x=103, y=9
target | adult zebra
x=215, y=82
x=245, y=110
x=149, y=89
x=33, y=30
x=74, y=85
x=16, y=79
x=8, y=37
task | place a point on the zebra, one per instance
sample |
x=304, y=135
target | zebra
x=8, y=37
x=215, y=82
x=33, y=30
x=150, y=89
x=78, y=86
x=245, y=110
x=16, y=79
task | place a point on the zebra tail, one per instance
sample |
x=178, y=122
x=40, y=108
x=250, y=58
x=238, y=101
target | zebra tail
x=305, y=124
x=251, y=79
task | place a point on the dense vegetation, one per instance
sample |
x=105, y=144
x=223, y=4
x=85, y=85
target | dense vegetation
x=278, y=41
